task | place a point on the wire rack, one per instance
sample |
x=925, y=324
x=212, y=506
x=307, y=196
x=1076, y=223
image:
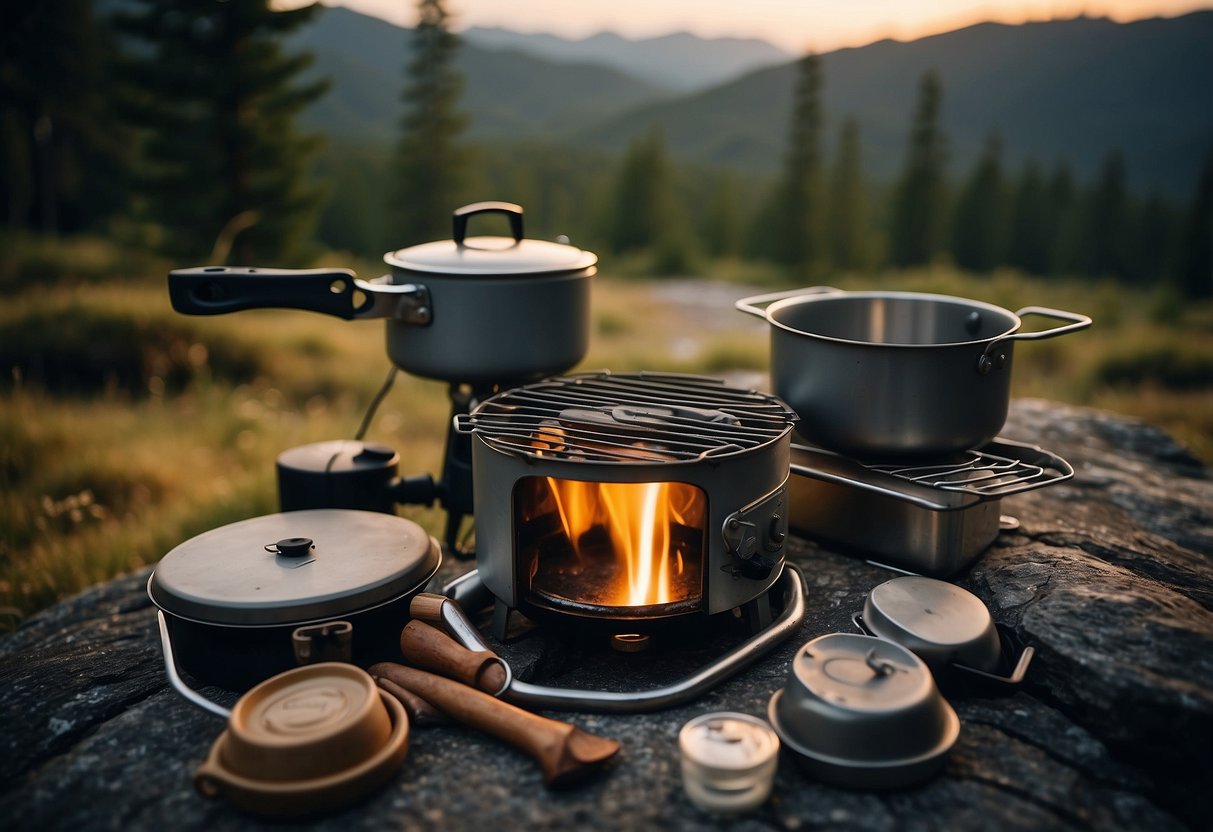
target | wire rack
x=629, y=418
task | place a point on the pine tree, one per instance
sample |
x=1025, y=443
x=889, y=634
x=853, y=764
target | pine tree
x=797, y=210
x=641, y=204
x=847, y=218
x=1063, y=221
x=979, y=224
x=1195, y=269
x=224, y=167
x=1106, y=220
x=430, y=164
x=722, y=228
x=918, y=218
x=62, y=152
x=1029, y=243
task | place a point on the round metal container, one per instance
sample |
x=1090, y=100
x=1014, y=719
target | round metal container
x=233, y=596
x=862, y=712
x=728, y=761
x=940, y=622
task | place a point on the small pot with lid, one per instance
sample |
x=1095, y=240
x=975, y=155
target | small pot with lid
x=861, y=712
x=239, y=602
x=471, y=310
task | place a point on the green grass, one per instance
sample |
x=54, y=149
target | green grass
x=126, y=428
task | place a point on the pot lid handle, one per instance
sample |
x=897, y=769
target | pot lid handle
x=462, y=215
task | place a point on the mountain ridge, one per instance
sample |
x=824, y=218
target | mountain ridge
x=677, y=61
x=1063, y=90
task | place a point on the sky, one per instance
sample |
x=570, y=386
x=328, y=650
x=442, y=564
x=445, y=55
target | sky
x=795, y=25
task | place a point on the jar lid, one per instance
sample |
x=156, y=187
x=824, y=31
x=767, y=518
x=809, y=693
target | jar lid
x=728, y=742
x=294, y=568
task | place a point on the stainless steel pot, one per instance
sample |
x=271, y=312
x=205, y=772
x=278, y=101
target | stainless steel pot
x=892, y=374
x=471, y=310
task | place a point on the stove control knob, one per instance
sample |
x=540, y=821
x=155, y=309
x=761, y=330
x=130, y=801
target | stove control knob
x=777, y=532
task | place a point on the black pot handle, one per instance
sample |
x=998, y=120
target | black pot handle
x=462, y=215
x=217, y=290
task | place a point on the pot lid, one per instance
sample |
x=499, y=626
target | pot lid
x=490, y=256
x=293, y=568
x=939, y=621
x=862, y=674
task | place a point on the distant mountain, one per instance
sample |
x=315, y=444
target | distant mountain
x=508, y=93
x=1071, y=90
x=678, y=62
x=1074, y=90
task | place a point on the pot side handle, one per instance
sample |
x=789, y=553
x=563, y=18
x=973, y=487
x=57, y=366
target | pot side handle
x=217, y=290
x=754, y=305
x=990, y=359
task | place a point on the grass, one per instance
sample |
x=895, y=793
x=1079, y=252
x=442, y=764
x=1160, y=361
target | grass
x=126, y=428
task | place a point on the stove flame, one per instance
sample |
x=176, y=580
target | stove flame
x=639, y=518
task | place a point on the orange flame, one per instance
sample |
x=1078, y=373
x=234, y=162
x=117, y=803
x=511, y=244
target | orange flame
x=638, y=517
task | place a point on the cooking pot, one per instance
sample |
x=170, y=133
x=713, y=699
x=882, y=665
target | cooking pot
x=895, y=374
x=469, y=310
x=238, y=602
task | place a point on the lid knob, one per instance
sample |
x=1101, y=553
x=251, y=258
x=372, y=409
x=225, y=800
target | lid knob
x=291, y=547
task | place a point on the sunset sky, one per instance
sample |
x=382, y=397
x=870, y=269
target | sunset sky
x=796, y=25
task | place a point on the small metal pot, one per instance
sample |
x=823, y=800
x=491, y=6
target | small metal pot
x=940, y=622
x=470, y=310
x=861, y=712
x=895, y=374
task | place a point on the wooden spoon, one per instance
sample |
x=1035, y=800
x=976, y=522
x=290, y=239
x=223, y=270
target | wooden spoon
x=565, y=753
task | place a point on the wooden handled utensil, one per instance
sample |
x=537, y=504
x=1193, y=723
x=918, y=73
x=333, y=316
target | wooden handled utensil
x=565, y=753
x=429, y=648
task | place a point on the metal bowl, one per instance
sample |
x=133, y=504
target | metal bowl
x=862, y=712
x=940, y=622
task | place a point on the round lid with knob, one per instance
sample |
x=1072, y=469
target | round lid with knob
x=490, y=256
x=294, y=568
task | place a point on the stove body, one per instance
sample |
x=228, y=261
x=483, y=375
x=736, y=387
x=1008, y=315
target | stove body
x=563, y=469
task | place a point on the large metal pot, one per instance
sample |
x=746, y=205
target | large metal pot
x=471, y=310
x=893, y=374
x=238, y=603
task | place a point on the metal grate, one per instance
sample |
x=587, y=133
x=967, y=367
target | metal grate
x=997, y=470
x=629, y=418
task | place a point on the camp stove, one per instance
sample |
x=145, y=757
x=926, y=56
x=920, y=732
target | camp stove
x=625, y=502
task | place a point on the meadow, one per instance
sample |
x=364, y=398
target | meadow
x=126, y=428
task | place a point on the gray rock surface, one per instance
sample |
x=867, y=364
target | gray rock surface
x=1110, y=576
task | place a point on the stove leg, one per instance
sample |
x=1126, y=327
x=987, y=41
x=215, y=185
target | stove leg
x=501, y=621
x=757, y=613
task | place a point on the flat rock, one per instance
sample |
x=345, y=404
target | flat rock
x=1109, y=576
